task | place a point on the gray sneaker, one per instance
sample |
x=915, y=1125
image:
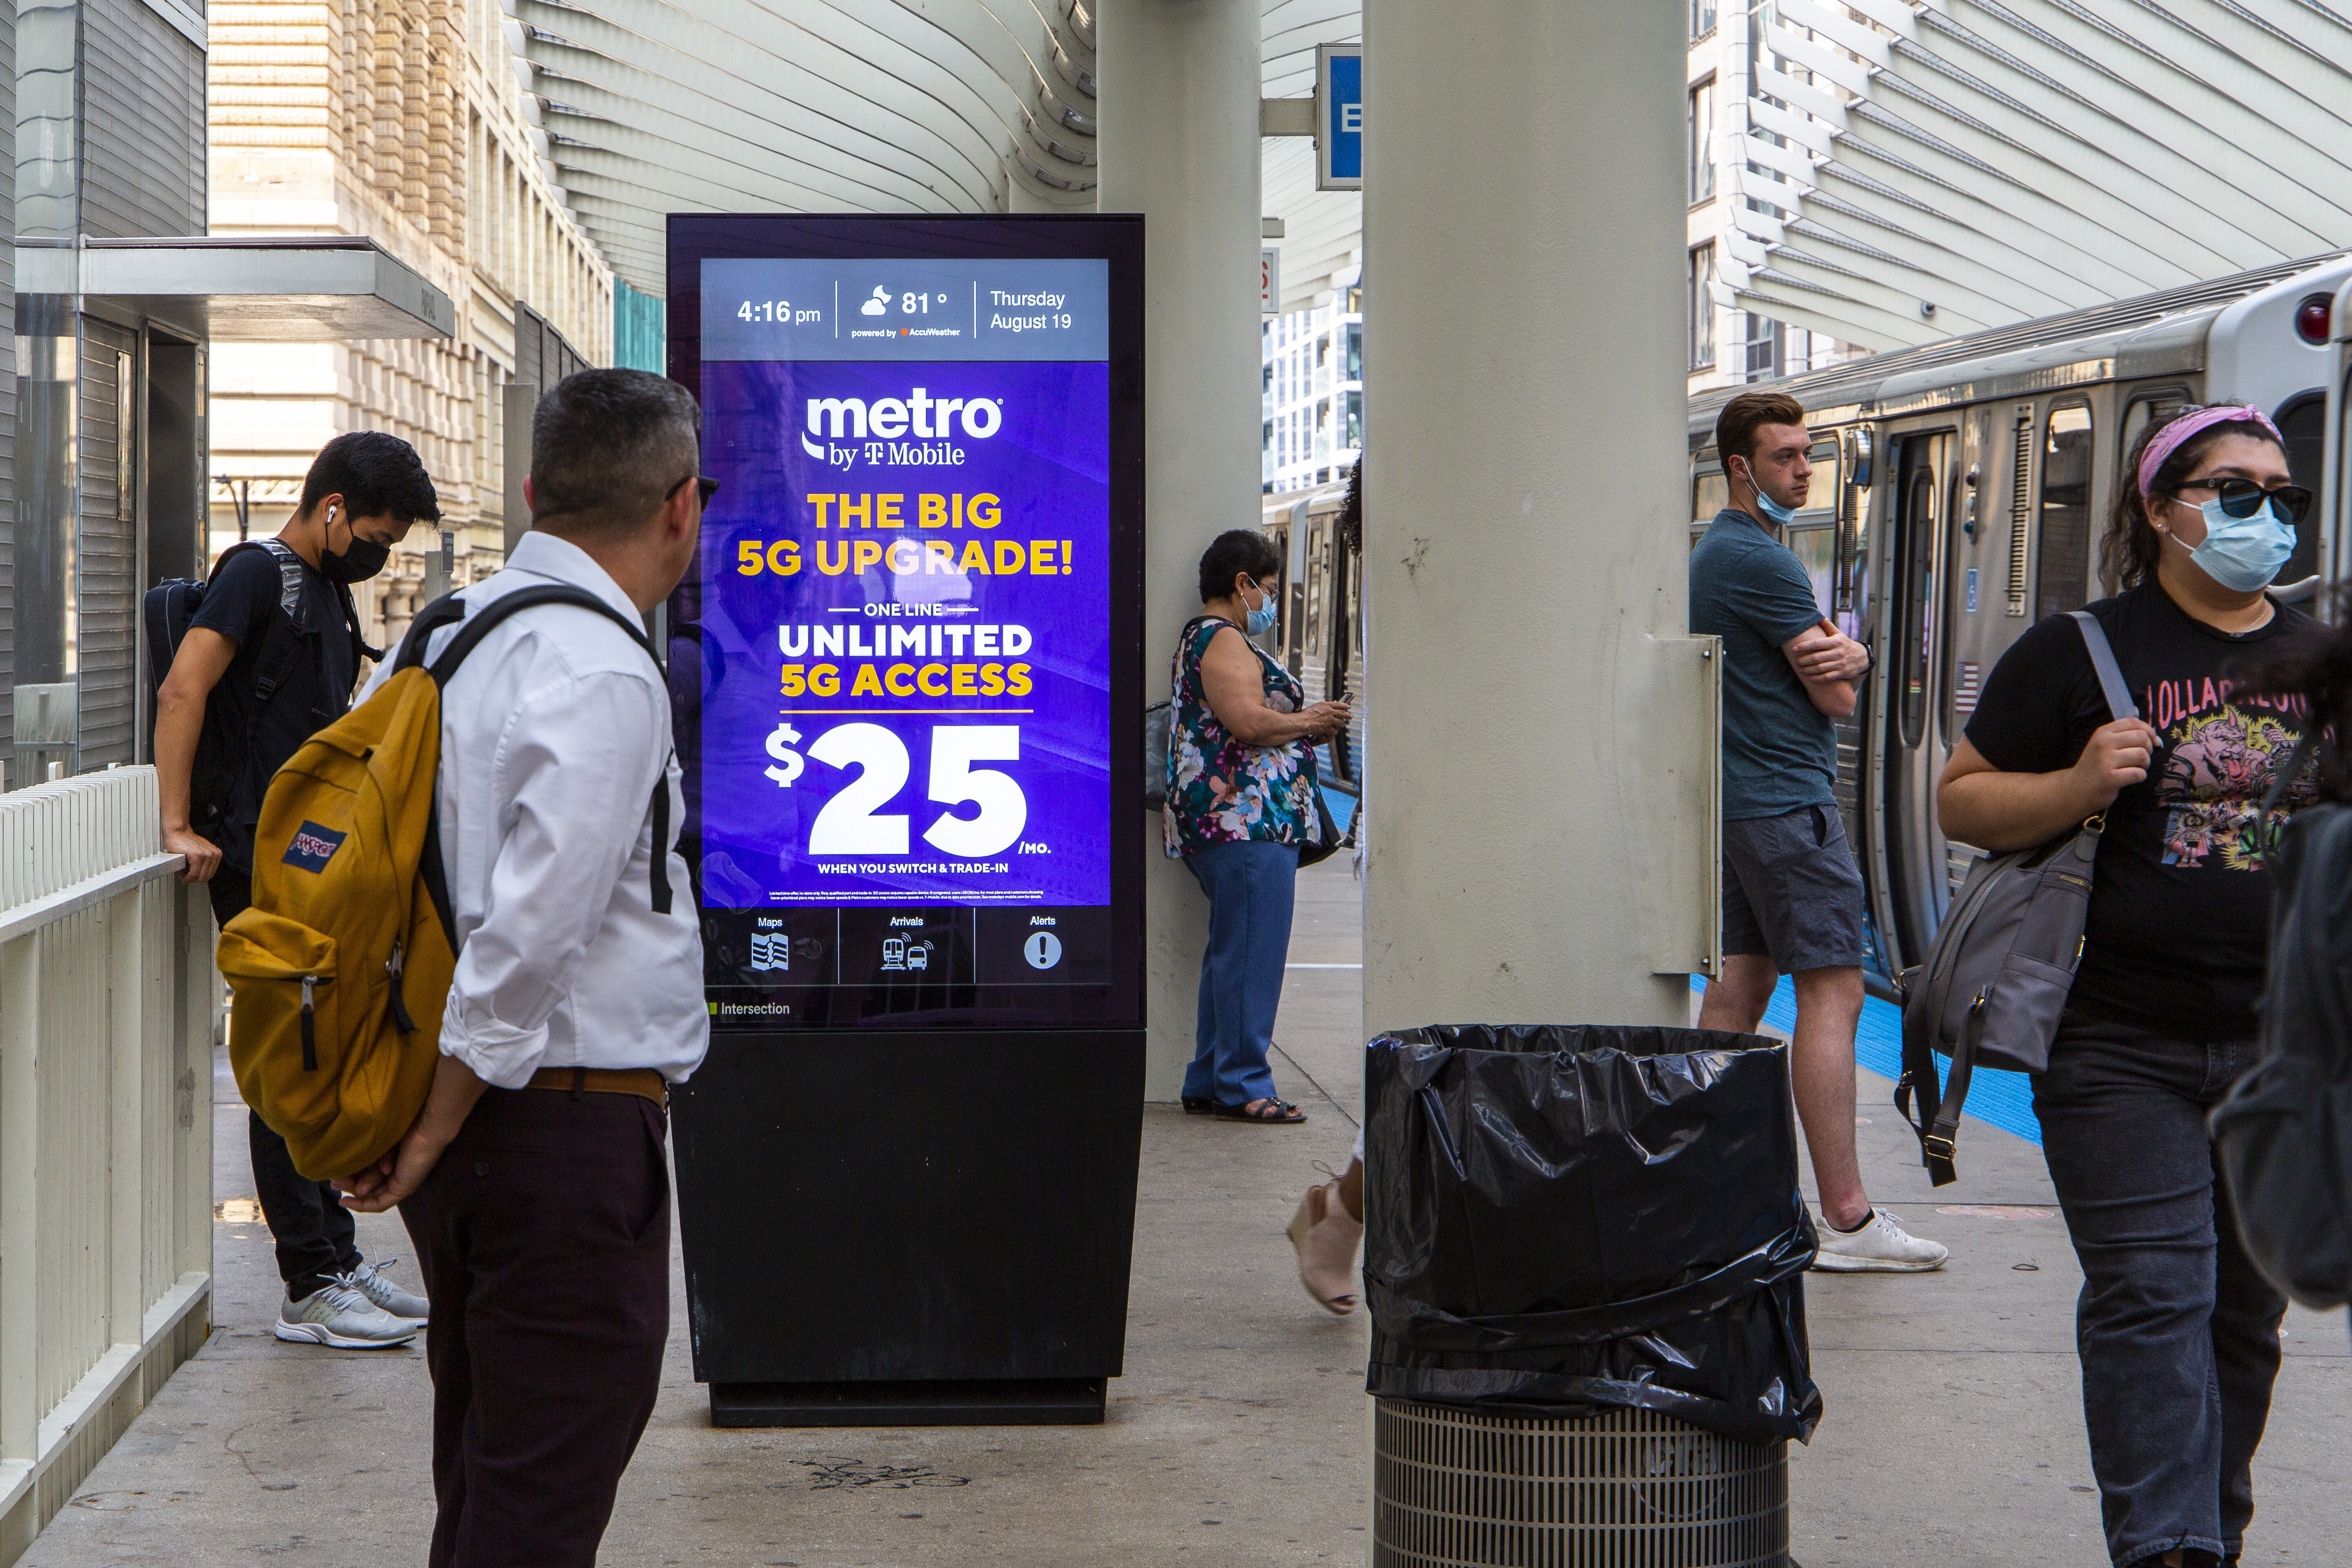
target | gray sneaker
x=370, y=1280
x=341, y=1317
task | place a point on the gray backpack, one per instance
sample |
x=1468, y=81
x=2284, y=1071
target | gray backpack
x=1992, y=991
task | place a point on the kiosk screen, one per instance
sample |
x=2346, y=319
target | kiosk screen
x=902, y=630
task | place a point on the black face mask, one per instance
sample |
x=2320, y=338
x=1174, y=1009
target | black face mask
x=360, y=562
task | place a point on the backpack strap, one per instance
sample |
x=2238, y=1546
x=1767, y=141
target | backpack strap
x=360, y=649
x=1938, y=1121
x=2103, y=660
x=445, y=611
x=477, y=626
x=282, y=644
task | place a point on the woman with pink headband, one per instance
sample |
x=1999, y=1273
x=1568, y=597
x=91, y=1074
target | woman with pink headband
x=2178, y=1333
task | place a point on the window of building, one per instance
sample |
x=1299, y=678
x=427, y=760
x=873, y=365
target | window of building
x=1702, y=141
x=1355, y=432
x=1763, y=347
x=1702, y=306
x=1355, y=351
x=1702, y=17
x=1355, y=298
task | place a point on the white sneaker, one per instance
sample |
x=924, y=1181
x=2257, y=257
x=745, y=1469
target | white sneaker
x=341, y=1317
x=1880, y=1246
x=371, y=1281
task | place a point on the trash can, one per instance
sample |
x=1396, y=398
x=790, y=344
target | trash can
x=1584, y=1254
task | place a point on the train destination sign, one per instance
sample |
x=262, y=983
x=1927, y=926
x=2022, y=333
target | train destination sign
x=905, y=620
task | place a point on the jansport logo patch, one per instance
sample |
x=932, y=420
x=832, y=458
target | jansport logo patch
x=314, y=846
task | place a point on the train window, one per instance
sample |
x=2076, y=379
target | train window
x=1821, y=490
x=2152, y=405
x=1319, y=534
x=1710, y=493
x=2304, y=422
x=2063, y=579
x=1817, y=549
x=1921, y=519
x=1853, y=610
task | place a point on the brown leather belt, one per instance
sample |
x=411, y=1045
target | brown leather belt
x=644, y=1082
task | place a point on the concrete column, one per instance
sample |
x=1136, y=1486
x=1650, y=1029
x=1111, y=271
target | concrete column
x=1179, y=145
x=1540, y=732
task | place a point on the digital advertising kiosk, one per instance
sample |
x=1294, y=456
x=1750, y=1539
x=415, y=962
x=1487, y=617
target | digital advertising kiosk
x=908, y=677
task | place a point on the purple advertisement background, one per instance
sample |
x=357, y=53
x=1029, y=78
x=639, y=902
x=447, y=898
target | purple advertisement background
x=1047, y=463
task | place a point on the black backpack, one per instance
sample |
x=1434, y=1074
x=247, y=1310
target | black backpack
x=2282, y=1137
x=222, y=748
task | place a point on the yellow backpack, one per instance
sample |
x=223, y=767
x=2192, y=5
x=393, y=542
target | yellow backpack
x=339, y=970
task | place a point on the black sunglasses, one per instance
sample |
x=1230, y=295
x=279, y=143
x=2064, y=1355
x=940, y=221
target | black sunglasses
x=709, y=487
x=2243, y=498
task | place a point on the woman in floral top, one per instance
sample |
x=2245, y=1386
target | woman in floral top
x=1241, y=802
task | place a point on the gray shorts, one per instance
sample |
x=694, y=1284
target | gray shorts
x=1792, y=889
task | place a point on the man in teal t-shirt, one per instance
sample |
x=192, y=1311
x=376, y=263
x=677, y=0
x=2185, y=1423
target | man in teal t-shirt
x=1792, y=899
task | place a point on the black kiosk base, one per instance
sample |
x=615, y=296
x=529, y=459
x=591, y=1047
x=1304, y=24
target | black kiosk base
x=909, y=1229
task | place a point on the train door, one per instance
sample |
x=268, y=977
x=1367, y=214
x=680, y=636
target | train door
x=1912, y=719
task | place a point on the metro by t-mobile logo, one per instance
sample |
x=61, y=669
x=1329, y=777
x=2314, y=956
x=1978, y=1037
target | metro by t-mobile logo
x=891, y=420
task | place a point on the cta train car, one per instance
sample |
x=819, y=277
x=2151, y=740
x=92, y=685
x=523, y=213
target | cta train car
x=1319, y=637
x=1959, y=494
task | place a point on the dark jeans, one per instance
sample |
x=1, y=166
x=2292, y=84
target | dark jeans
x=1252, y=887
x=313, y=1228
x=543, y=1234
x=2178, y=1333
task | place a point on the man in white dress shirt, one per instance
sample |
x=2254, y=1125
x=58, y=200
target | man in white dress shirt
x=534, y=1185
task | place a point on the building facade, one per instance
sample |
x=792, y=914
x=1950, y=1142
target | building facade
x=1729, y=114
x=401, y=121
x=1312, y=388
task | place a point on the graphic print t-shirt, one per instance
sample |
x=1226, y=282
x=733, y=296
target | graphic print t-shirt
x=2178, y=930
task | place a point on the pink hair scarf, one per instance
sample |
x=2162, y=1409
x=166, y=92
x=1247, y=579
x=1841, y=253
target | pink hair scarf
x=2169, y=439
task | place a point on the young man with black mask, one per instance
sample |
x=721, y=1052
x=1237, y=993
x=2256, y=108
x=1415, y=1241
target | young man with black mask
x=269, y=660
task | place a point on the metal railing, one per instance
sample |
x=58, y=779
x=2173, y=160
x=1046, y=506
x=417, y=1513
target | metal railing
x=108, y=998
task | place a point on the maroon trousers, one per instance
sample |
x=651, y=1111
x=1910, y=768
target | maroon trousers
x=543, y=1237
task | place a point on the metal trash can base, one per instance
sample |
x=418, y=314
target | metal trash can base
x=1627, y=1489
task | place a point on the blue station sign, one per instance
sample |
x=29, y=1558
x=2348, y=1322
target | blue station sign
x=1339, y=117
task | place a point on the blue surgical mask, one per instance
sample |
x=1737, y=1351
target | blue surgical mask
x=1779, y=516
x=2242, y=554
x=1261, y=620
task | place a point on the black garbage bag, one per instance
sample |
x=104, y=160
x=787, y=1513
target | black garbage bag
x=1559, y=1219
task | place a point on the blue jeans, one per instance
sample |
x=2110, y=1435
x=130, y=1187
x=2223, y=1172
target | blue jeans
x=2178, y=1333
x=1250, y=887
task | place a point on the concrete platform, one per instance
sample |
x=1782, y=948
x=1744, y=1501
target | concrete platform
x=1953, y=1435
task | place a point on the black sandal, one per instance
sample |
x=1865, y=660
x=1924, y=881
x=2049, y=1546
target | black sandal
x=1270, y=1112
x=1198, y=1105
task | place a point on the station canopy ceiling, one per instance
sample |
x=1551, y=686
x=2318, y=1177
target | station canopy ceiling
x=1908, y=170
x=650, y=107
x=1938, y=167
